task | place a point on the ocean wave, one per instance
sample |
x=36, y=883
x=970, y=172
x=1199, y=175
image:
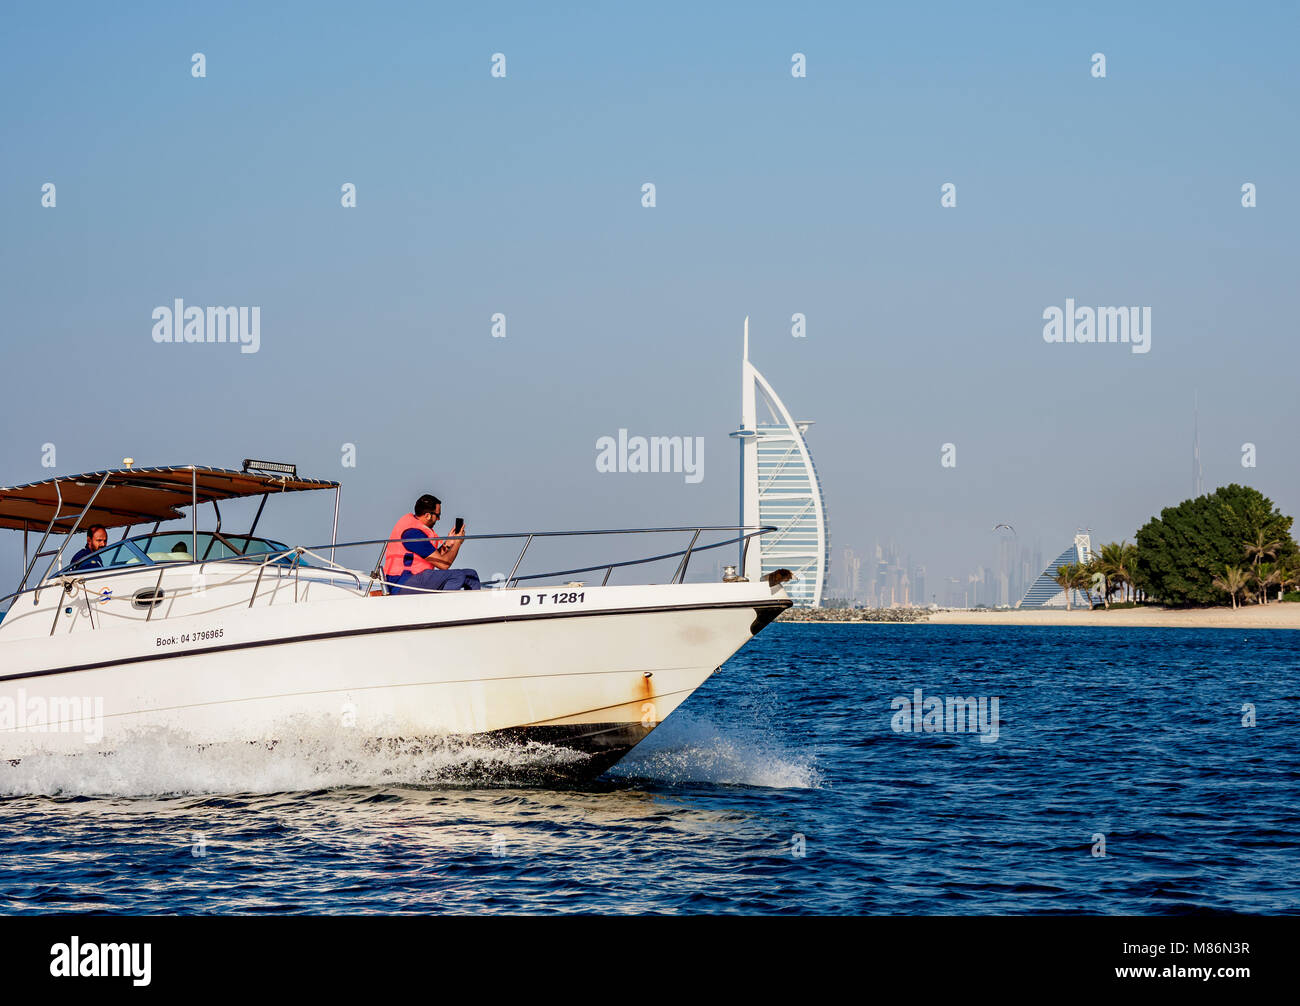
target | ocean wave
x=169, y=764
x=689, y=748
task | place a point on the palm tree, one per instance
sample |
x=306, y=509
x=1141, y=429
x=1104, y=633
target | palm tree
x=1290, y=567
x=1100, y=578
x=1129, y=558
x=1233, y=582
x=1110, y=563
x=1086, y=577
x=1067, y=576
x=1269, y=574
x=1264, y=546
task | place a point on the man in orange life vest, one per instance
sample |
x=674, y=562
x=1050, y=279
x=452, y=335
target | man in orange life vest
x=417, y=560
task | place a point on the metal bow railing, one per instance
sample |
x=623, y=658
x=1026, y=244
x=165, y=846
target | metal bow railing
x=290, y=562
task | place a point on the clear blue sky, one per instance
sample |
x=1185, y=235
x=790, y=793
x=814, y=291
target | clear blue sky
x=775, y=195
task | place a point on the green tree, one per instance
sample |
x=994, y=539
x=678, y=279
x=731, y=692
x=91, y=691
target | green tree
x=1130, y=556
x=1290, y=569
x=1086, y=581
x=1264, y=545
x=1084, y=578
x=1179, y=551
x=1267, y=574
x=1110, y=568
x=1098, y=579
x=1232, y=582
x=1067, y=576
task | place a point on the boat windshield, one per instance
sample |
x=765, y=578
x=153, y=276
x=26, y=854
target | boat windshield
x=175, y=546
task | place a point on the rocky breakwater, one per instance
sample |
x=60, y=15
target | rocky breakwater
x=854, y=615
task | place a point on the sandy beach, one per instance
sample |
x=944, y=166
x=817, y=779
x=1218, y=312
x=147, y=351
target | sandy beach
x=1272, y=616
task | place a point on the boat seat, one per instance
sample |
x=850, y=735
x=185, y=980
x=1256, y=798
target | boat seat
x=171, y=557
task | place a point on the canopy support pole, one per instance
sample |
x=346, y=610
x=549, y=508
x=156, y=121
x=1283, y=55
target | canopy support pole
x=260, y=507
x=334, y=534
x=54, y=563
x=58, y=509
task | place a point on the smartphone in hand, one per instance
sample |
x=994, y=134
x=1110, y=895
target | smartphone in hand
x=460, y=523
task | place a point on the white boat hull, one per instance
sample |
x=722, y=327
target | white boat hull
x=592, y=669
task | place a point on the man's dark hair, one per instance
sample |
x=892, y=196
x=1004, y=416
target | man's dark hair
x=90, y=531
x=426, y=504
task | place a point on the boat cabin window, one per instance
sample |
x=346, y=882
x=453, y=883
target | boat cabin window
x=122, y=553
x=249, y=546
x=175, y=546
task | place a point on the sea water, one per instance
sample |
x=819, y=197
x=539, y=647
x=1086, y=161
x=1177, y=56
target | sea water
x=1134, y=771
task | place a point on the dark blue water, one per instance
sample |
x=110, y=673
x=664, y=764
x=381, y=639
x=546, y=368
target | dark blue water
x=1131, y=734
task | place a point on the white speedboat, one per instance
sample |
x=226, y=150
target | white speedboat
x=220, y=637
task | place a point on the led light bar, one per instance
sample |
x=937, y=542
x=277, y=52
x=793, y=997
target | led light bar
x=270, y=468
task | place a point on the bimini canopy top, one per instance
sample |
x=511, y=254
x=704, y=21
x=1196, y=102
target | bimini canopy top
x=134, y=495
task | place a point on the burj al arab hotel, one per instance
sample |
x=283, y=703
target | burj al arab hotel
x=779, y=487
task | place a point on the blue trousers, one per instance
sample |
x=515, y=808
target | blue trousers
x=437, y=579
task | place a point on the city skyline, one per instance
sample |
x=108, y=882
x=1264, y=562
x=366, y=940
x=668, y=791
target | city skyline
x=890, y=578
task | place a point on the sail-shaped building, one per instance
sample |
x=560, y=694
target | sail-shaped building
x=779, y=487
x=1045, y=592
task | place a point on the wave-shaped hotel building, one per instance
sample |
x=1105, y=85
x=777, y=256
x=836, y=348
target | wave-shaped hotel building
x=1045, y=592
x=779, y=487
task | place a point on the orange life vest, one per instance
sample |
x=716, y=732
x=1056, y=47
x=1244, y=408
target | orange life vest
x=397, y=560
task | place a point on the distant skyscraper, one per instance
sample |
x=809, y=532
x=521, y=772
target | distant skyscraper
x=893, y=580
x=880, y=581
x=852, y=572
x=780, y=488
x=1006, y=571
